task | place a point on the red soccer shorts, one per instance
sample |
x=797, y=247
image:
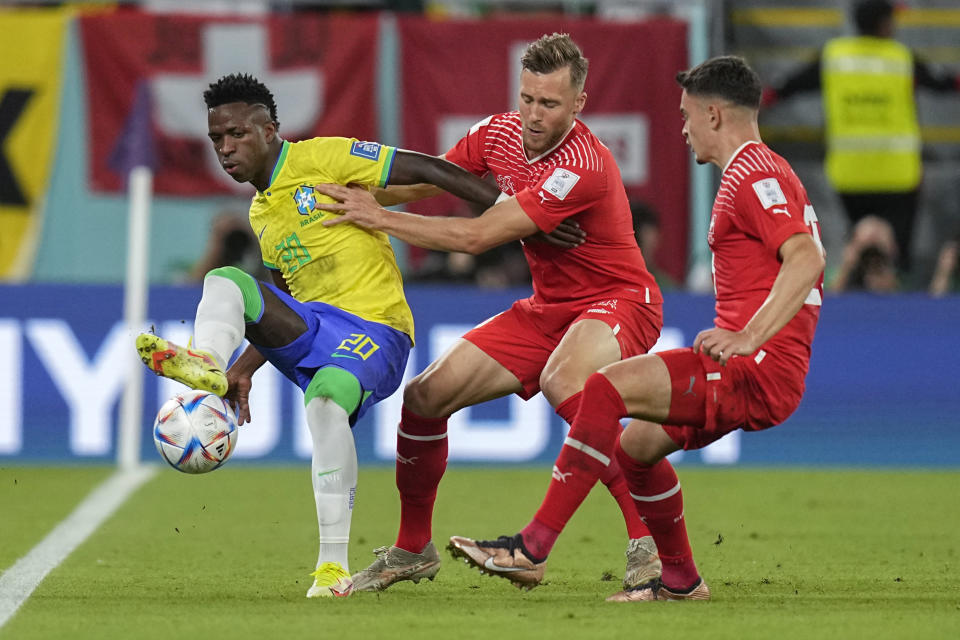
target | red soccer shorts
x=708, y=401
x=522, y=338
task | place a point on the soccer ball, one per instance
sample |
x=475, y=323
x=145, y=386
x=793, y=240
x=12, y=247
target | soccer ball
x=195, y=431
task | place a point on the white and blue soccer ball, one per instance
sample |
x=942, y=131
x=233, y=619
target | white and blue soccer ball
x=195, y=431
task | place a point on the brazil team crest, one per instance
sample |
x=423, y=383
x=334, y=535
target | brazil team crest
x=306, y=199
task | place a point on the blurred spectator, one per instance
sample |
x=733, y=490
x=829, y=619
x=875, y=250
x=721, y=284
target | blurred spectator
x=498, y=268
x=231, y=243
x=646, y=228
x=505, y=266
x=946, y=276
x=443, y=267
x=502, y=268
x=873, y=137
x=869, y=259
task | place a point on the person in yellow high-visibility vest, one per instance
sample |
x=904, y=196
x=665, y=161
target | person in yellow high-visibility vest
x=873, y=141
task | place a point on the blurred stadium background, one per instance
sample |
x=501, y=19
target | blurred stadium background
x=90, y=90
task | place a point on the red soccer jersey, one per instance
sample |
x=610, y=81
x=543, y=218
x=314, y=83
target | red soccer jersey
x=759, y=204
x=577, y=177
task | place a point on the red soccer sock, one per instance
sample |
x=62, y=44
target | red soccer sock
x=611, y=476
x=538, y=539
x=585, y=455
x=659, y=500
x=421, y=461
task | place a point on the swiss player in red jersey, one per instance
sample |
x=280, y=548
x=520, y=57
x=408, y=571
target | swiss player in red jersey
x=745, y=373
x=592, y=305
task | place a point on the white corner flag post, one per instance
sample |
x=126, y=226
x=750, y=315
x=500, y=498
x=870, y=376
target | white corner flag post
x=134, y=314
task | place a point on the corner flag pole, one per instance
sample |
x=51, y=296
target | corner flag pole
x=135, y=314
x=134, y=156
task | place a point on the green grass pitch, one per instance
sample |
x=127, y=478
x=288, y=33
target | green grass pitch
x=788, y=554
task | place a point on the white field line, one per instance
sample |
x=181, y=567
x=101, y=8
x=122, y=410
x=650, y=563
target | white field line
x=19, y=581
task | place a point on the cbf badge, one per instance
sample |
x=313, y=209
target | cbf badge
x=306, y=199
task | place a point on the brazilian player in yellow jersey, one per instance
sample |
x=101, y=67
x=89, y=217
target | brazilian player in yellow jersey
x=354, y=271
x=334, y=319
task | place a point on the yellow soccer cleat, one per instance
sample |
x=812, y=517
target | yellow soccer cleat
x=196, y=369
x=330, y=580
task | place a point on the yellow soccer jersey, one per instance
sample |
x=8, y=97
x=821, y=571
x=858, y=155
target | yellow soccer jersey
x=343, y=266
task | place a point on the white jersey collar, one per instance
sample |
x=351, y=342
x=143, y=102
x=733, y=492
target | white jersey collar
x=543, y=155
x=737, y=152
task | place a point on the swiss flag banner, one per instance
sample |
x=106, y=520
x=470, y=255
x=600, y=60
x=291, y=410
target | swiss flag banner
x=456, y=73
x=150, y=71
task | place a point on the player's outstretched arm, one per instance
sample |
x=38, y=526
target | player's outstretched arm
x=401, y=194
x=499, y=224
x=415, y=176
x=413, y=168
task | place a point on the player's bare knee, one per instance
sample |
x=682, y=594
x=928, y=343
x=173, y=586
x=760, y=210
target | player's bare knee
x=646, y=442
x=419, y=398
x=557, y=385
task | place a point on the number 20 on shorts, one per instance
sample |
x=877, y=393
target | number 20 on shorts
x=360, y=344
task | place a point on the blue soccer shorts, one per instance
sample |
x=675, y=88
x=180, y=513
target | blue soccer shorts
x=374, y=353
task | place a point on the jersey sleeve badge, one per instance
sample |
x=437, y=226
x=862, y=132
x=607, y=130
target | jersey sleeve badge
x=770, y=194
x=560, y=183
x=368, y=150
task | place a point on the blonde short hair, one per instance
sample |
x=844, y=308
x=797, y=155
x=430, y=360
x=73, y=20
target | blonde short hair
x=555, y=51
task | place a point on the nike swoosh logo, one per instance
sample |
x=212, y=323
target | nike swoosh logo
x=343, y=355
x=488, y=563
x=326, y=473
x=261, y=232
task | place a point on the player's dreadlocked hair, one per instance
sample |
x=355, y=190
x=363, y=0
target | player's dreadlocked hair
x=553, y=52
x=240, y=87
x=726, y=77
